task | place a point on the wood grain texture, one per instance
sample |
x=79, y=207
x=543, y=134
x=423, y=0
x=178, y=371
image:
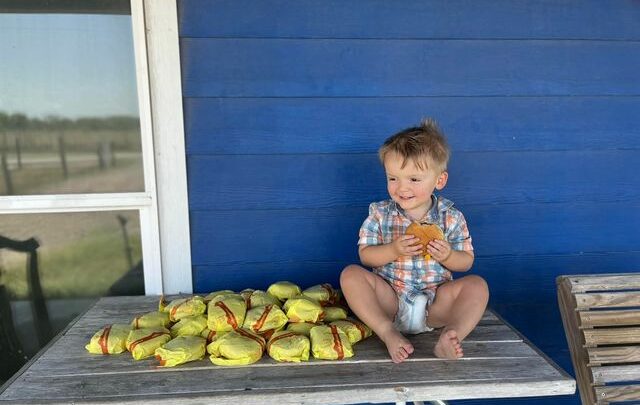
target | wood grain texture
x=615, y=374
x=601, y=355
x=471, y=19
x=615, y=354
x=610, y=336
x=67, y=373
x=608, y=300
x=263, y=125
x=604, y=282
x=331, y=234
x=219, y=182
x=348, y=68
x=618, y=393
x=589, y=319
x=575, y=340
x=511, y=277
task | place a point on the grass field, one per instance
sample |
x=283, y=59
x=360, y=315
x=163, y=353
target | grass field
x=78, y=257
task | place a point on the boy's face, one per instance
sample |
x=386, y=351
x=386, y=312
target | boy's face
x=410, y=186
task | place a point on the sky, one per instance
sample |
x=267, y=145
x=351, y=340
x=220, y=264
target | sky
x=69, y=65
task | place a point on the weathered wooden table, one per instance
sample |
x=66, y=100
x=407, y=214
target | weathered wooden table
x=498, y=362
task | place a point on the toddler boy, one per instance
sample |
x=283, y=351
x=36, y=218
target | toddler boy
x=405, y=292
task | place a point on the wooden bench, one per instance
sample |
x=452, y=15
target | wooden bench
x=601, y=319
x=498, y=362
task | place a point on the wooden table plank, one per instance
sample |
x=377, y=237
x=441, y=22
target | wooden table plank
x=219, y=381
x=497, y=363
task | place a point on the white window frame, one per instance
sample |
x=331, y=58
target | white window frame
x=163, y=206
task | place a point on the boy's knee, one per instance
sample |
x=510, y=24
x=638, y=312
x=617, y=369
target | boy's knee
x=349, y=273
x=479, y=285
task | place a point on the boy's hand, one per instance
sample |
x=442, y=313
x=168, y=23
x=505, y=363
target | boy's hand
x=407, y=245
x=439, y=249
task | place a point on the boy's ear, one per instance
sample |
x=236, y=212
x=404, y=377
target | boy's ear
x=442, y=180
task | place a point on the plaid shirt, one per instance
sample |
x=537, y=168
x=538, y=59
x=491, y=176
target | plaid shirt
x=413, y=275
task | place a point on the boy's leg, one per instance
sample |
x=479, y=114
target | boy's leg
x=375, y=303
x=458, y=306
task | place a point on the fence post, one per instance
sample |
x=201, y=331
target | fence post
x=6, y=173
x=63, y=155
x=19, y=152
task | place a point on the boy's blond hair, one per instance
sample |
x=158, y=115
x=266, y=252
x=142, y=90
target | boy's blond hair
x=424, y=145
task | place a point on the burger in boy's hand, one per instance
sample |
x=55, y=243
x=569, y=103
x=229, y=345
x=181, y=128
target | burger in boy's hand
x=426, y=233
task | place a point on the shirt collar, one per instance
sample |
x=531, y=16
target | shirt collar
x=438, y=206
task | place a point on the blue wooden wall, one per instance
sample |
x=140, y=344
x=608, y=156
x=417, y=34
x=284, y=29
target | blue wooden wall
x=286, y=103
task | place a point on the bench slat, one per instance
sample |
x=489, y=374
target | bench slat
x=606, y=300
x=617, y=393
x=604, y=282
x=619, y=317
x=610, y=336
x=614, y=354
x=609, y=374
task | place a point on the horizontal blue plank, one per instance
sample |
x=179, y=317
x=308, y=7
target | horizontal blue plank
x=532, y=278
x=314, y=181
x=360, y=125
x=410, y=19
x=343, y=68
x=260, y=276
x=322, y=235
x=513, y=280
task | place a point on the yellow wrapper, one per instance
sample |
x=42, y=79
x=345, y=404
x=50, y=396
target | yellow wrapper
x=181, y=350
x=334, y=314
x=155, y=319
x=283, y=290
x=143, y=343
x=226, y=313
x=303, y=309
x=355, y=330
x=323, y=293
x=289, y=346
x=214, y=294
x=260, y=298
x=189, y=326
x=246, y=294
x=330, y=343
x=112, y=339
x=262, y=319
x=238, y=347
x=211, y=335
x=162, y=304
x=182, y=307
x=303, y=328
x=268, y=333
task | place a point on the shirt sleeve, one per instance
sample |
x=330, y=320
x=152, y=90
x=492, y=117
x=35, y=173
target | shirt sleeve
x=458, y=234
x=370, y=233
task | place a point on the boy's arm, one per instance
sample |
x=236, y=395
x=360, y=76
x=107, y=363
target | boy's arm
x=459, y=260
x=379, y=255
x=453, y=260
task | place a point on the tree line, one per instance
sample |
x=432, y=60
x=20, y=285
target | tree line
x=21, y=122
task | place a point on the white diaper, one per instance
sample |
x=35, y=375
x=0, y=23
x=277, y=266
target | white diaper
x=412, y=318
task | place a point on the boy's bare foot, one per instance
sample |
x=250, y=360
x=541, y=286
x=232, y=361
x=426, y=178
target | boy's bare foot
x=398, y=346
x=448, y=346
